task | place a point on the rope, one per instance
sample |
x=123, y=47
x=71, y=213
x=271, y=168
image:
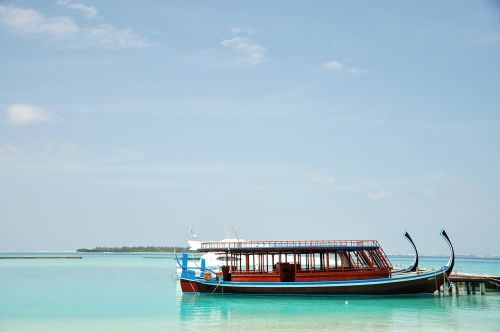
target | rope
x=449, y=282
x=216, y=288
x=436, y=283
x=493, y=282
x=191, y=284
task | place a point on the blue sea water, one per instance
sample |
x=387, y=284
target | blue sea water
x=139, y=292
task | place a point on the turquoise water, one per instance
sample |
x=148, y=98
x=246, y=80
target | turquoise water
x=139, y=292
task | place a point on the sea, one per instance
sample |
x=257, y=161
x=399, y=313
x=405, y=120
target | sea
x=140, y=292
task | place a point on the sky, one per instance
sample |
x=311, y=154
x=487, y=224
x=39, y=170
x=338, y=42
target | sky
x=124, y=122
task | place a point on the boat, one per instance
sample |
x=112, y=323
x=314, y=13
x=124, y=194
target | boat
x=360, y=267
x=212, y=260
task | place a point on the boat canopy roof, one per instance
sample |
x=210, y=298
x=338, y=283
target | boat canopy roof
x=288, y=246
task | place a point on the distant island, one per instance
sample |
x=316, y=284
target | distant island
x=134, y=249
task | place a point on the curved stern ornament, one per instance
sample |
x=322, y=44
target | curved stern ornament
x=451, y=261
x=414, y=266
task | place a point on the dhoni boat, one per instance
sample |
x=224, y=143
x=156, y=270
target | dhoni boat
x=334, y=267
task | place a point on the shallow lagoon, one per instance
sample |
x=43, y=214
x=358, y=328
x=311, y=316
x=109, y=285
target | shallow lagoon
x=120, y=292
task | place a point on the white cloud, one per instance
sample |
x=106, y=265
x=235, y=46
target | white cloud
x=153, y=31
x=8, y=152
x=25, y=114
x=85, y=10
x=109, y=36
x=320, y=179
x=358, y=71
x=334, y=65
x=380, y=194
x=65, y=32
x=249, y=53
x=243, y=30
x=31, y=22
x=236, y=30
x=429, y=191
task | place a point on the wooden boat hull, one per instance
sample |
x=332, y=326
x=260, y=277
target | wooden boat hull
x=426, y=283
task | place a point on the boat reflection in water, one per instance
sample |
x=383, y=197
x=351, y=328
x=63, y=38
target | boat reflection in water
x=365, y=313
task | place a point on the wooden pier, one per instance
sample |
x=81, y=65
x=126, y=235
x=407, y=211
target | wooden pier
x=470, y=283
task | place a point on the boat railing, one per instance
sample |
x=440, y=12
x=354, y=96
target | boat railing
x=288, y=244
x=309, y=270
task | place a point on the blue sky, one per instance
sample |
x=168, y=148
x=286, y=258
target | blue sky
x=122, y=123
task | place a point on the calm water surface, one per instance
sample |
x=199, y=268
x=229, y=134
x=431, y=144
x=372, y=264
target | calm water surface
x=138, y=292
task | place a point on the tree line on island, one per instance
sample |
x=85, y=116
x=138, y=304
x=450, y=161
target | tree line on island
x=134, y=249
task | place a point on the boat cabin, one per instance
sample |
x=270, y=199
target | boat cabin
x=300, y=261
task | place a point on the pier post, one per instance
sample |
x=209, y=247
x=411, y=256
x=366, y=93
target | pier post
x=450, y=288
x=482, y=288
x=467, y=286
x=456, y=288
x=473, y=287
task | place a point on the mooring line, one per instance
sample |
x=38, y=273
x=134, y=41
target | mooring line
x=493, y=282
x=217, y=287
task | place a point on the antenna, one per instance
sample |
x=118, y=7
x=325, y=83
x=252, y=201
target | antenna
x=235, y=234
x=225, y=226
x=192, y=234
